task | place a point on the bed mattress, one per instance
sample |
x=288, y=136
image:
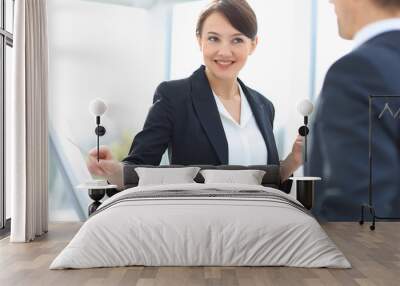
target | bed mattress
x=201, y=225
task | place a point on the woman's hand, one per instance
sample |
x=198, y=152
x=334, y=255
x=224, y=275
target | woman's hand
x=297, y=151
x=106, y=166
x=294, y=160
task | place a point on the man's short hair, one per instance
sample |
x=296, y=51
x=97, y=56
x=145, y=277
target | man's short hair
x=388, y=3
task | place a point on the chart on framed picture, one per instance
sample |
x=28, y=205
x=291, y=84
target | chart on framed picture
x=383, y=158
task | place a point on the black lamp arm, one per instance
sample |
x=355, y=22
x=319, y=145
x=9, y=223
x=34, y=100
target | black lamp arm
x=100, y=131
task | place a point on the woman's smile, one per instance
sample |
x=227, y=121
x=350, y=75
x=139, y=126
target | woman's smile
x=224, y=64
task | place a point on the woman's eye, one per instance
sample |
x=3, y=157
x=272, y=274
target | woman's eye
x=213, y=39
x=238, y=40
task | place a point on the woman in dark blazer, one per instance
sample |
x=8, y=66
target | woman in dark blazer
x=198, y=119
x=184, y=117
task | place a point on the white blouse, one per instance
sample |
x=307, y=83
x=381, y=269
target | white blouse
x=246, y=144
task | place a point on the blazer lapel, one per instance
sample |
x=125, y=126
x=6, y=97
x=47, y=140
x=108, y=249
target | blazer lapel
x=264, y=123
x=207, y=112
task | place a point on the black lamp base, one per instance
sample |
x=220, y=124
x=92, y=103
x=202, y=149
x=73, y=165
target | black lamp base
x=111, y=192
x=96, y=195
x=305, y=193
x=93, y=207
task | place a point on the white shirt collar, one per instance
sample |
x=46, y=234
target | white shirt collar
x=245, y=110
x=374, y=29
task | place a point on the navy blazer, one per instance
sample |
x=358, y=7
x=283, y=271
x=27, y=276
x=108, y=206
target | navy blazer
x=339, y=134
x=184, y=118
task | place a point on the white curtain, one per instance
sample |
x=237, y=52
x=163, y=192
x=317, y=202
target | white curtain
x=28, y=123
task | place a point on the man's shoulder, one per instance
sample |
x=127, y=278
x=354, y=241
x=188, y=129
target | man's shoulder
x=355, y=64
x=389, y=40
x=381, y=52
x=349, y=60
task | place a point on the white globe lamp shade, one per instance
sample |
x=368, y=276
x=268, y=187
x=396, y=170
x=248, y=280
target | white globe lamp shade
x=305, y=107
x=97, y=107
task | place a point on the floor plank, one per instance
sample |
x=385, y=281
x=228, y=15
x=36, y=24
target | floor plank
x=375, y=257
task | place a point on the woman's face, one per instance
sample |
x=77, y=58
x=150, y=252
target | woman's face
x=225, y=49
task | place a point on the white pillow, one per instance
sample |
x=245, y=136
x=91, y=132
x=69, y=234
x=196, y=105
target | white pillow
x=165, y=176
x=247, y=177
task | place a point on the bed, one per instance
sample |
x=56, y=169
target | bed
x=201, y=224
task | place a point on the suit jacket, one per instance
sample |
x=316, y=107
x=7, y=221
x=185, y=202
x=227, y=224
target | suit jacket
x=339, y=133
x=184, y=118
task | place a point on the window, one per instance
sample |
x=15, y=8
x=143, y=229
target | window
x=329, y=45
x=6, y=44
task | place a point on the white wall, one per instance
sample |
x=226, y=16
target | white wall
x=113, y=52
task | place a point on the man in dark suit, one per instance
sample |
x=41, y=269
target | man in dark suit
x=339, y=142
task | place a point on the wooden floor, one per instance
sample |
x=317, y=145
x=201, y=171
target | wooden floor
x=375, y=257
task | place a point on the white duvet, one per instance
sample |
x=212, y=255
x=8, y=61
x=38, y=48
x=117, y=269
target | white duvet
x=203, y=231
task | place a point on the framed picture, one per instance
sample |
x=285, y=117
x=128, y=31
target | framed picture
x=383, y=150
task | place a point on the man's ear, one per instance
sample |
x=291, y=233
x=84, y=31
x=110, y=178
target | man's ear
x=254, y=44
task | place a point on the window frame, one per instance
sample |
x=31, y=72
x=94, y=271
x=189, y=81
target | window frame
x=6, y=39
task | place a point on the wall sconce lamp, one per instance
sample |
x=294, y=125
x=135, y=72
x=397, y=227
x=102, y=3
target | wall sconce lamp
x=305, y=108
x=97, y=107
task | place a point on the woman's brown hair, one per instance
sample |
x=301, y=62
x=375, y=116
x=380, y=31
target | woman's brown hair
x=238, y=12
x=388, y=3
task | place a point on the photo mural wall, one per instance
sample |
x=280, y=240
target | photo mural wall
x=120, y=51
